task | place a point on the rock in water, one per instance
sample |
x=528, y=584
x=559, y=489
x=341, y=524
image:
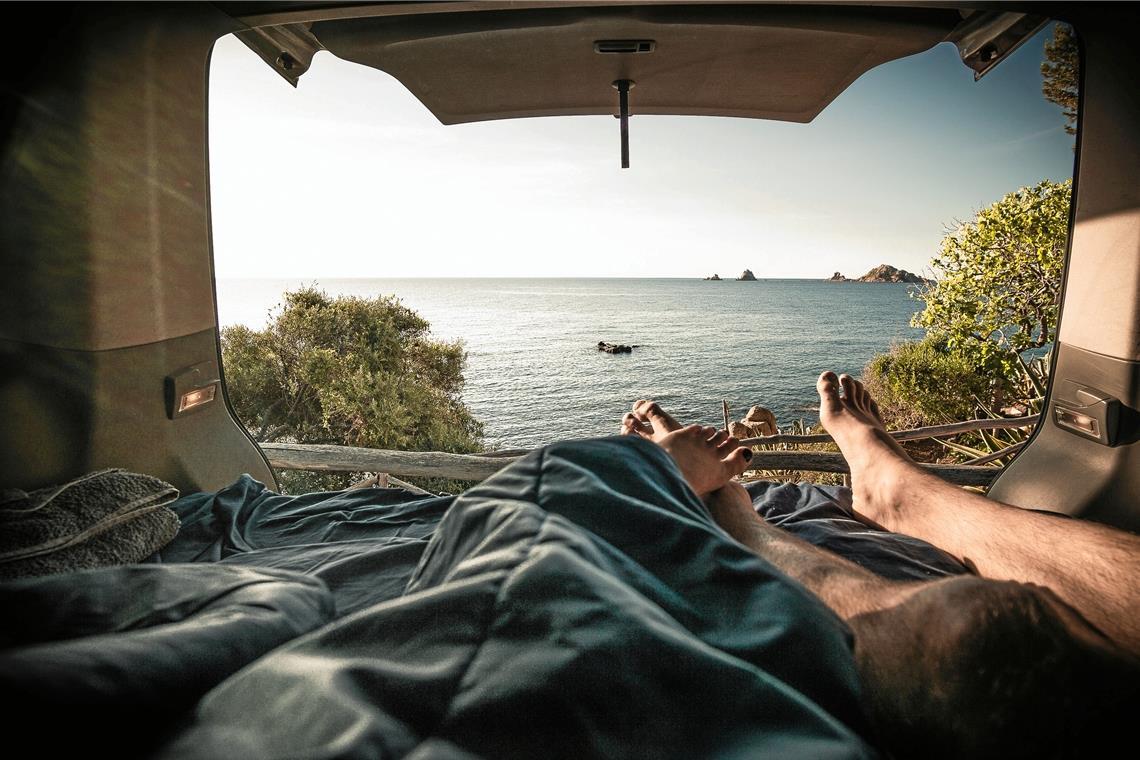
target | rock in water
x=837, y=277
x=714, y=277
x=614, y=348
x=888, y=273
x=747, y=275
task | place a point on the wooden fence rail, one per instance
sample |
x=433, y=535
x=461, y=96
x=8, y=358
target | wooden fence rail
x=430, y=464
x=438, y=464
x=435, y=464
x=914, y=434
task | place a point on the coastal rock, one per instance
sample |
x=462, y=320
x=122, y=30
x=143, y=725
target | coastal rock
x=714, y=277
x=888, y=273
x=762, y=420
x=837, y=277
x=739, y=430
x=747, y=276
x=615, y=348
x=759, y=421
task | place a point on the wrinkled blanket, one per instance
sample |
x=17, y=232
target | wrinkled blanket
x=580, y=603
x=104, y=662
x=364, y=543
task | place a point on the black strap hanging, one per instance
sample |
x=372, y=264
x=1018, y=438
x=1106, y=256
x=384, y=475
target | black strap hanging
x=623, y=87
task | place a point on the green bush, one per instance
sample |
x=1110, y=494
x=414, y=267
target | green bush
x=348, y=371
x=925, y=383
x=999, y=280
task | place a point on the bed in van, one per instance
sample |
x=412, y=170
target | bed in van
x=378, y=623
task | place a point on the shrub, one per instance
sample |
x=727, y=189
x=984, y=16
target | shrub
x=924, y=383
x=348, y=371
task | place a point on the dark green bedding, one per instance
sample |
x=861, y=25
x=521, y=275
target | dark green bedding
x=579, y=604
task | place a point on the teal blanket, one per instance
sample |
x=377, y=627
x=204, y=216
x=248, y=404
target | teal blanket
x=581, y=603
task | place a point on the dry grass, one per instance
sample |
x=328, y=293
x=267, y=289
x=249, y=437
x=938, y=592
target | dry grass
x=927, y=451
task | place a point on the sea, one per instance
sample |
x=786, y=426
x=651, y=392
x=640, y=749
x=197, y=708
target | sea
x=534, y=374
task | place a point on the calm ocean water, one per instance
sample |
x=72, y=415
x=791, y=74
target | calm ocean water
x=534, y=374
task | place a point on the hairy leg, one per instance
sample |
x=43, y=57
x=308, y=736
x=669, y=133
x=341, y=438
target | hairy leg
x=958, y=667
x=1093, y=568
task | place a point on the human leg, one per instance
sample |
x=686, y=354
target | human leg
x=962, y=666
x=1093, y=568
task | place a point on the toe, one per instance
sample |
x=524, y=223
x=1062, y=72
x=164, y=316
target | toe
x=729, y=443
x=828, y=387
x=860, y=393
x=695, y=431
x=850, y=393
x=630, y=425
x=652, y=411
x=627, y=424
x=718, y=438
x=738, y=461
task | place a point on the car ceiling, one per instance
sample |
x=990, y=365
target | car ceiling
x=480, y=61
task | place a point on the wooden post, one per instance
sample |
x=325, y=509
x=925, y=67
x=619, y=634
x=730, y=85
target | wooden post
x=724, y=408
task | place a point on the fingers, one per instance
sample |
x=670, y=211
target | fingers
x=651, y=411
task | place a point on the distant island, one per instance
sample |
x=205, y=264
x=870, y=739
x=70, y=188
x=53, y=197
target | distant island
x=884, y=273
x=747, y=276
x=714, y=277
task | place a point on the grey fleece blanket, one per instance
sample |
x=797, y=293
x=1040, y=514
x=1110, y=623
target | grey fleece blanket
x=110, y=517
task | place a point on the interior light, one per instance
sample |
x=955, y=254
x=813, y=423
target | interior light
x=197, y=397
x=1077, y=421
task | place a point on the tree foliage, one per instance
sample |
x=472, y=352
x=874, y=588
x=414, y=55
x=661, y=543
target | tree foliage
x=999, y=279
x=349, y=371
x=1060, y=73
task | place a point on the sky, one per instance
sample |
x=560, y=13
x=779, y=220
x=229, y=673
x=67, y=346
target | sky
x=349, y=175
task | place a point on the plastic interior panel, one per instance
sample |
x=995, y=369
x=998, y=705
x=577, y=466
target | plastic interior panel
x=1099, y=344
x=106, y=280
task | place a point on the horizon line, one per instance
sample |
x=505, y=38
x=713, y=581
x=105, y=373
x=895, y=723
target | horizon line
x=520, y=277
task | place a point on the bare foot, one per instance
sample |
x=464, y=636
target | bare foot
x=878, y=464
x=708, y=458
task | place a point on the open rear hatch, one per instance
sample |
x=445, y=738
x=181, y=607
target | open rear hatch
x=482, y=61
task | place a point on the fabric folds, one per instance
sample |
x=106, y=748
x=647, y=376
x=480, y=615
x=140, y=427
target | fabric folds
x=581, y=603
x=107, y=660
